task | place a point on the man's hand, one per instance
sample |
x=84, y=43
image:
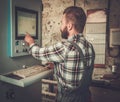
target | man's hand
x=50, y=65
x=28, y=39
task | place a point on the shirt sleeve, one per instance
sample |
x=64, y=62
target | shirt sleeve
x=54, y=53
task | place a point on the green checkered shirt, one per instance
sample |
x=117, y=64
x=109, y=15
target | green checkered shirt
x=69, y=67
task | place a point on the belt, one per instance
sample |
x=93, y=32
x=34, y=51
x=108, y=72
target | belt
x=69, y=89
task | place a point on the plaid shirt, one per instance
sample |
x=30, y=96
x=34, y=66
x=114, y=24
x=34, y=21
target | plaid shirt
x=68, y=65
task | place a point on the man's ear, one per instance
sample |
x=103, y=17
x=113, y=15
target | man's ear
x=69, y=26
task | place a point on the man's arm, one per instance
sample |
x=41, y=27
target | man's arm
x=54, y=53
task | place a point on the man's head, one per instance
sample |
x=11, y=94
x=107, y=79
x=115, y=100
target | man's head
x=73, y=21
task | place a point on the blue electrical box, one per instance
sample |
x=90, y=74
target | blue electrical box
x=23, y=16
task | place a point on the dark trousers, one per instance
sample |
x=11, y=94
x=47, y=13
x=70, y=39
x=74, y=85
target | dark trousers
x=73, y=95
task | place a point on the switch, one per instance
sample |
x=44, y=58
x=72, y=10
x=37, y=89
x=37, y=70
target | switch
x=23, y=50
x=17, y=51
x=17, y=43
x=26, y=50
x=23, y=44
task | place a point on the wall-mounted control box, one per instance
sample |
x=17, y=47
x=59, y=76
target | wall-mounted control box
x=23, y=16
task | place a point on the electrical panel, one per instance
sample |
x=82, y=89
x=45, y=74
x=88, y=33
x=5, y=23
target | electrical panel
x=23, y=16
x=114, y=37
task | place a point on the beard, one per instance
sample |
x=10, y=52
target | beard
x=64, y=33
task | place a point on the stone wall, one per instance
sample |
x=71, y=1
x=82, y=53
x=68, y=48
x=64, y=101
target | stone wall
x=51, y=19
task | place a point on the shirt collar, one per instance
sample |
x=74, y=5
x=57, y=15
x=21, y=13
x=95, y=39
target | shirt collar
x=75, y=37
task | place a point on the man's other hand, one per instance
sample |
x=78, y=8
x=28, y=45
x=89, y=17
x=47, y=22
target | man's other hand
x=50, y=65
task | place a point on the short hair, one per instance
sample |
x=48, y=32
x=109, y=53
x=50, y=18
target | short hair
x=77, y=16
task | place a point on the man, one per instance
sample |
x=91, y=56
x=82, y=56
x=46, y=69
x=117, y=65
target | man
x=73, y=59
